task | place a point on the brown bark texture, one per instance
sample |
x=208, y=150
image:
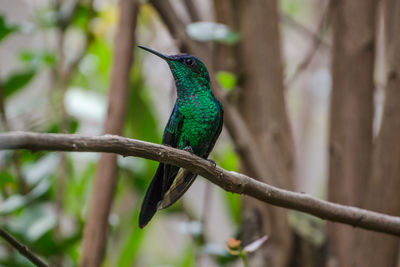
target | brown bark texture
x=261, y=102
x=96, y=228
x=351, y=114
x=228, y=180
x=22, y=249
x=383, y=188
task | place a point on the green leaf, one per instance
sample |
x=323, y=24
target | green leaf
x=26, y=156
x=6, y=178
x=37, y=58
x=6, y=29
x=73, y=125
x=227, y=80
x=81, y=16
x=17, y=81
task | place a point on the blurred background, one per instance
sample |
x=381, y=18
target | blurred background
x=277, y=66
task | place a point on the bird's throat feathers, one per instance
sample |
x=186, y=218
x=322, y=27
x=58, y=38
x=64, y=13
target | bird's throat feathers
x=190, y=80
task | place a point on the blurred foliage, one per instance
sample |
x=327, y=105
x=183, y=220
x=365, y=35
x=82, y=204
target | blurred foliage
x=50, y=222
x=5, y=28
x=211, y=31
x=290, y=7
x=227, y=80
x=16, y=81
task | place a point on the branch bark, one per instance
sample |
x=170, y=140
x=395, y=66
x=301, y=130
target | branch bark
x=96, y=228
x=230, y=181
x=25, y=251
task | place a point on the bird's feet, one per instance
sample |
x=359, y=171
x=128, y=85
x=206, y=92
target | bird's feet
x=212, y=162
x=189, y=149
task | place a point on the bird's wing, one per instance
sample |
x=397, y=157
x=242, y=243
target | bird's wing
x=173, y=129
x=217, y=132
x=184, y=179
x=165, y=174
x=171, y=137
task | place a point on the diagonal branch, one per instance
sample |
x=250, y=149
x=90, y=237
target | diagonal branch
x=25, y=251
x=317, y=41
x=230, y=181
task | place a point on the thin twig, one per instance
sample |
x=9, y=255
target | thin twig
x=317, y=42
x=230, y=181
x=302, y=29
x=24, y=250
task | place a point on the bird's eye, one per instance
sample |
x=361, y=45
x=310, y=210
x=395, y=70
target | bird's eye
x=188, y=61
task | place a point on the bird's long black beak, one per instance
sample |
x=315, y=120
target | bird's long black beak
x=165, y=57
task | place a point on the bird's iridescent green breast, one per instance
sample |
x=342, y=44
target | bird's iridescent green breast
x=202, y=118
x=200, y=109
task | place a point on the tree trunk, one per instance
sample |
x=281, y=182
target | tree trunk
x=224, y=54
x=262, y=104
x=350, y=115
x=96, y=228
x=383, y=189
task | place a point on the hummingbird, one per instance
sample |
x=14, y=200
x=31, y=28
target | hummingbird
x=194, y=125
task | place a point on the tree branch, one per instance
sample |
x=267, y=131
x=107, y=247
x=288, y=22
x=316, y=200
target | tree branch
x=230, y=181
x=317, y=41
x=22, y=249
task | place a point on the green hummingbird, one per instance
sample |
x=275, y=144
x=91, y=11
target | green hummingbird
x=194, y=125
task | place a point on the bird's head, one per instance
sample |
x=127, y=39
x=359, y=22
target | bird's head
x=185, y=68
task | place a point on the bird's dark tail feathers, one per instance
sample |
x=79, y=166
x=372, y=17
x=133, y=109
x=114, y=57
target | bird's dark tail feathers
x=183, y=180
x=153, y=196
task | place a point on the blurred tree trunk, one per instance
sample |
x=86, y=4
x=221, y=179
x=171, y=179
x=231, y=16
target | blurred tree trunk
x=350, y=115
x=261, y=101
x=383, y=189
x=224, y=55
x=96, y=228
